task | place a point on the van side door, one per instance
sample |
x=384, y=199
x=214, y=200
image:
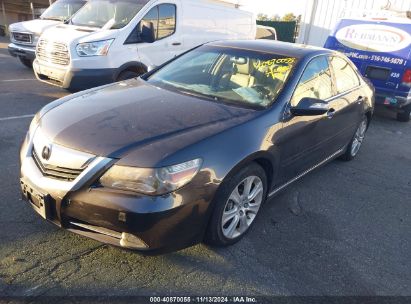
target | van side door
x=166, y=19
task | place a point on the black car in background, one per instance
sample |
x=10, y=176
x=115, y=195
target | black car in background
x=191, y=151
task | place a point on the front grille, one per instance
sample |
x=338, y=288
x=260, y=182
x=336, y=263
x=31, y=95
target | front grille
x=22, y=37
x=53, y=52
x=56, y=172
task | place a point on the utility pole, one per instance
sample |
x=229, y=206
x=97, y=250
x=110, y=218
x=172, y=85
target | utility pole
x=3, y=8
x=32, y=10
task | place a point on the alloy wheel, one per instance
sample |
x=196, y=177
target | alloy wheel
x=242, y=207
x=359, y=137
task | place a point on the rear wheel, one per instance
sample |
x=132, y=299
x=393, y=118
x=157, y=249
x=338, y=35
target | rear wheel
x=404, y=115
x=237, y=206
x=356, y=143
x=27, y=62
x=127, y=75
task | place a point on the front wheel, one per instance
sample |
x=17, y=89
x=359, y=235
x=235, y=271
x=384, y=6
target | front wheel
x=404, y=115
x=355, y=144
x=26, y=62
x=127, y=75
x=237, y=206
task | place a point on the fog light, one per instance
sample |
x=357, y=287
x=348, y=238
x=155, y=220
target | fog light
x=131, y=241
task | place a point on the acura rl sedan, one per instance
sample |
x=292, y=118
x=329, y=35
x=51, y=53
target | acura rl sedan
x=191, y=151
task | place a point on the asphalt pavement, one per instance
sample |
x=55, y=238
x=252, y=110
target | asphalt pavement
x=342, y=230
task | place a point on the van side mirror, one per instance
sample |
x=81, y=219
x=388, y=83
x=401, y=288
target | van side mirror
x=147, y=32
x=310, y=107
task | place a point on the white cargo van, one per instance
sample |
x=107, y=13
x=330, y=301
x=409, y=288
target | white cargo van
x=24, y=35
x=113, y=40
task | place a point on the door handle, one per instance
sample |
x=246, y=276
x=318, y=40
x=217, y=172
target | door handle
x=330, y=113
x=176, y=43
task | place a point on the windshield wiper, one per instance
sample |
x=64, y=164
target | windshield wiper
x=53, y=18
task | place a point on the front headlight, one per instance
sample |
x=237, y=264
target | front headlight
x=151, y=181
x=33, y=125
x=36, y=38
x=97, y=48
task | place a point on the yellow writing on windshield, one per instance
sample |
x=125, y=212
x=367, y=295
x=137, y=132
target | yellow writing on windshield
x=277, y=68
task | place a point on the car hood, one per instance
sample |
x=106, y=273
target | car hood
x=34, y=26
x=68, y=33
x=120, y=118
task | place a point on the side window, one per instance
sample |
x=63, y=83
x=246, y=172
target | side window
x=167, y=20
x=316, y=81
x=163, y=17
x=152, y=16
x=345, y=76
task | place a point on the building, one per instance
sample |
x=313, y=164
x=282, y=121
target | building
x=321, y=16
x=12, y=11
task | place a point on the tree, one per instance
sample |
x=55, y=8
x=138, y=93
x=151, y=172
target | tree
x=275, y=17
x=289, y=17
x=262, y=17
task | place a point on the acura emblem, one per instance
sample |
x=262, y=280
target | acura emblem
x=46, y=153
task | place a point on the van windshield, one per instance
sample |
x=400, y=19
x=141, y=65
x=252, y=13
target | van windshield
x=62, y=10
x=223, y=74
x=112, y=14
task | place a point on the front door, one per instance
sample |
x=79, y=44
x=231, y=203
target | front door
x=303, y=138
x=168, y=42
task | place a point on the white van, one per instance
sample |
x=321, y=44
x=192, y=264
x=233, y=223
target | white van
x=266, y=33
x=24, y=35
x=113, y=40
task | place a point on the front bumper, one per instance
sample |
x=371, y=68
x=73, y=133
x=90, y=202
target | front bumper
x=150, y=224
x=73, y=79
x=26, y=52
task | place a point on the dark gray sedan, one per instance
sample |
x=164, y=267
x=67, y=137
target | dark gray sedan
x=192, y=150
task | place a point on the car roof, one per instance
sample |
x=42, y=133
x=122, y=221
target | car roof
x=276, y=47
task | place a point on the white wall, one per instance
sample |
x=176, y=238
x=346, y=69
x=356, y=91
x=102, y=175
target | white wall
x=321, y=16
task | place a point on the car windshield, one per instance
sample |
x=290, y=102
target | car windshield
x=242, y=77
x=108, y=14
x=62, y=10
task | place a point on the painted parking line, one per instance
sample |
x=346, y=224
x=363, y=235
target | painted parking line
x=15, y=80
x=16, y=117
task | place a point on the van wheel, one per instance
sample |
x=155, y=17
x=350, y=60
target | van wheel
x=236, y=206
x=127, y=75
x=404, y=115
x=27, y=62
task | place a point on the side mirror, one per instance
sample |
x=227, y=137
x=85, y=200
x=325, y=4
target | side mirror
x=310, y=107
x=147, y=32
x=151, y=68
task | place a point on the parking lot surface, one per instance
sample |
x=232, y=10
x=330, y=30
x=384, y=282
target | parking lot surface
x=342, y=230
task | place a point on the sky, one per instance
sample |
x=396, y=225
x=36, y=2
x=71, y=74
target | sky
x=274, y=7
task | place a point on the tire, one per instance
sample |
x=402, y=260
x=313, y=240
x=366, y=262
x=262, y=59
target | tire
x=26, y=62
x=227, y=228
x=127, y=75
x=404, y=115
x=356, y=142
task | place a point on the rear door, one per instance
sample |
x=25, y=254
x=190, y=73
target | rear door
x=346, y=107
